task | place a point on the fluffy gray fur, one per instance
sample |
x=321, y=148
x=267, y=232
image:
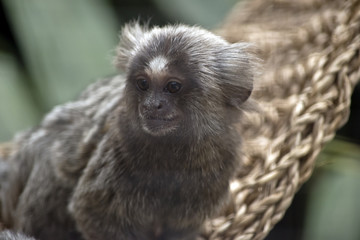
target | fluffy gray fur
x=8, y=235
x=91, y=171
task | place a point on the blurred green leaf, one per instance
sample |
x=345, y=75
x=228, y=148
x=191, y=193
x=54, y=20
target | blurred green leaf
x=333, y=209
x=66, y=43
x=207, y=13
x=17, y=110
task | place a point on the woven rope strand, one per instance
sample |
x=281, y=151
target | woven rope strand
x=309, y=75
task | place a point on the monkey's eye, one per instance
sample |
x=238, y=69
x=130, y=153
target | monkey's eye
x=142, y=84
x=173, y=87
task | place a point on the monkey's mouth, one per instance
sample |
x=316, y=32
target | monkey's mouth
x=165, y=119
x=160, y=125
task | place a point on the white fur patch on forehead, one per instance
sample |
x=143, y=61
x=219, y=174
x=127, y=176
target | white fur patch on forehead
x=157, y=65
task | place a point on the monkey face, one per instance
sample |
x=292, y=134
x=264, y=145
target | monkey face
x=183, y=79
x=160, y=91
x=157, y=110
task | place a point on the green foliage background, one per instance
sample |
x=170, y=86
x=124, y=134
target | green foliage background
x=62, y=46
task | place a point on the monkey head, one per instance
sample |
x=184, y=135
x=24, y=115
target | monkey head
x=182, y=79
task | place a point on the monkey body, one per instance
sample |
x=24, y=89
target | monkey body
x=153, y=197
x=145, y=155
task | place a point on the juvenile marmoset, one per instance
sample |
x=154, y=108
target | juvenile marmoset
x=147, y=154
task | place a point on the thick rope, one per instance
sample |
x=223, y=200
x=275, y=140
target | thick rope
x=304, y=92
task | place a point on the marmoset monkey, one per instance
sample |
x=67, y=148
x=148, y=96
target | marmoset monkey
x=144, y=155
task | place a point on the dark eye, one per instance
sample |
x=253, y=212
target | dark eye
x=142, y=84
x=173, y=87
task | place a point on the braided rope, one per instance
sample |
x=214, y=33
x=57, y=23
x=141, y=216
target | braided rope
x=305, y=90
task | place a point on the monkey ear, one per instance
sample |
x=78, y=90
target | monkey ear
x=236, y=64
x=131, y=34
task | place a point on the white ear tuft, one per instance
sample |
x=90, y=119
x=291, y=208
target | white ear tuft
x=236, y=65
x=130, y=35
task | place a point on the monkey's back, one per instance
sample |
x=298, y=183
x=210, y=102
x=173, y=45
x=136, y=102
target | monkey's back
x=43, y=167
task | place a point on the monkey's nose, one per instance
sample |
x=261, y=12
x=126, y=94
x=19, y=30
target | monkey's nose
x=158, y=107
